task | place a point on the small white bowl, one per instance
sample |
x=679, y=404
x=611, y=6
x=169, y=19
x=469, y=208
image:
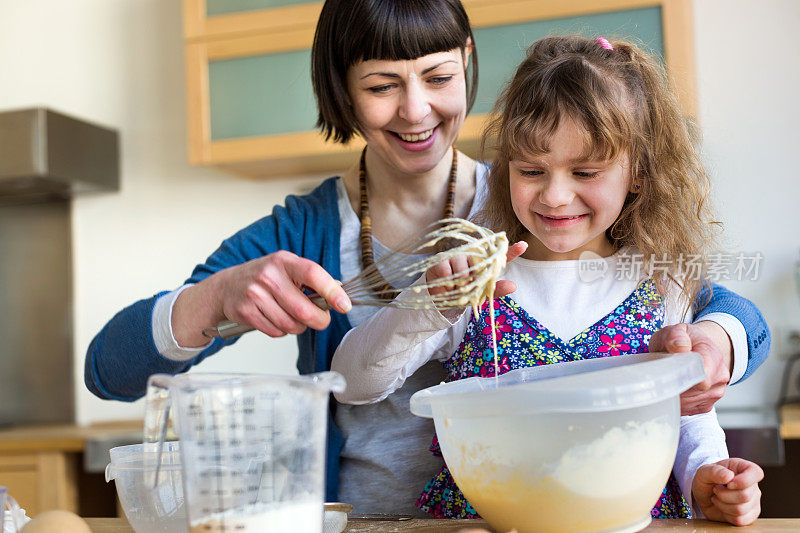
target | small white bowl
x=336, y=517
x=161, y=509
x=149, y=509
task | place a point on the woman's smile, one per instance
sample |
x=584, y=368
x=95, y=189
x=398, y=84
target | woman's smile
x=415, y=137
x=416, y=142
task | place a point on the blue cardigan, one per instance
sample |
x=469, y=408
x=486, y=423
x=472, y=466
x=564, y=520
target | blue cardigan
x=123, y=354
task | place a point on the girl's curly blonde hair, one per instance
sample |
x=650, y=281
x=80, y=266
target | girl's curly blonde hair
x=623, y=101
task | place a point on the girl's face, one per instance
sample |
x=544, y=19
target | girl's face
x=410, y=111
x=566, y=202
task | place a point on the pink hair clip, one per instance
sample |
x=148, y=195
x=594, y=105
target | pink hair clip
x=604, y=43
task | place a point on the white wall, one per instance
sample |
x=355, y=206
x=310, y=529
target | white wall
x=748, y=69
x=119, y=63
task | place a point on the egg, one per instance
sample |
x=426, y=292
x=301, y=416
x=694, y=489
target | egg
x=56, y=522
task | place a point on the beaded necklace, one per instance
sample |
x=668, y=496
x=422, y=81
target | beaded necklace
x=367, y=257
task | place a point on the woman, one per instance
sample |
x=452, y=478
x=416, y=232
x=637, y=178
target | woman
x=403, y=75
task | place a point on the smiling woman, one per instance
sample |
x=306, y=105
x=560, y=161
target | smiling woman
x=402, y=74
x=389, y=32
x=410, y=112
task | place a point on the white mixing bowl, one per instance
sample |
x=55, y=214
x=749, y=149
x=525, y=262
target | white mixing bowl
x=148, y=508
x=160, y=509
x=585, y=446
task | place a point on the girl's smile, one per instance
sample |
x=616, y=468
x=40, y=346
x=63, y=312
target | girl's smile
x=566, y=201
x=561, y=221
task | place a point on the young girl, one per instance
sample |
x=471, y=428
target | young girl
x=595, y=167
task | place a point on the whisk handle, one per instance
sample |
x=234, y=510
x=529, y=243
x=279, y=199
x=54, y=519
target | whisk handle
x=319, y=301
x=227, y=329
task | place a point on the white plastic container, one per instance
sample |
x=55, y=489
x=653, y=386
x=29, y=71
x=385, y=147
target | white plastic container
x=162, y=509
x=585, y=446
x=158, y=509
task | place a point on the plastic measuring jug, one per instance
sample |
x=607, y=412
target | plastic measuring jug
x=252, y=447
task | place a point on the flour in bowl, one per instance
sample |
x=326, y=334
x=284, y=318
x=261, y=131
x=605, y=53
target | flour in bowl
x=303, y=517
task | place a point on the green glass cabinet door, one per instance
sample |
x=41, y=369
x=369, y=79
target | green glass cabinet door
x=226, y=7
x=271, y=93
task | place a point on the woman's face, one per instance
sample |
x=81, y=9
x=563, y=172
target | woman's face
x=410, y=111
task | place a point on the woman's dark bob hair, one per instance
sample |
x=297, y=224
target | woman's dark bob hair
x=349, y=31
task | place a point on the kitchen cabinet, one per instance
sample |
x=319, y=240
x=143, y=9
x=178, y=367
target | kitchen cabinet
x=250, y=106
x=42, y=466
x=790, y=421
x=41, y=480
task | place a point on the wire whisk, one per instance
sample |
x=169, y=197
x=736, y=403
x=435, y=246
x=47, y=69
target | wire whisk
x=485, y=252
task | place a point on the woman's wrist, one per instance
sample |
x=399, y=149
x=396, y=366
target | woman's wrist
x=720, y=338
x=194, y=309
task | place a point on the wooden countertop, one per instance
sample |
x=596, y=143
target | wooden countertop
x=120, y=525
x=790, y=421
x=61, y=437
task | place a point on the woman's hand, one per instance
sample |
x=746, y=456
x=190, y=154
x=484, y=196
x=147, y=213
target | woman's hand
x=727, y=491
x=711, y=341
x=265, y=293
x=461, y=264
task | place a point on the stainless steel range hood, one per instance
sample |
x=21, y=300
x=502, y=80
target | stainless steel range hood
x=45, y=159
x=45, y=156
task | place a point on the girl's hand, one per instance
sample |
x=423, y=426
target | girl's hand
x=727, y=491
x=459, y=264
x=265, y=293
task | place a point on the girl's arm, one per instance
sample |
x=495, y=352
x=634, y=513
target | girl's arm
x=701, y=439
x=376, y=357
x=701, y=442
x=717, y=487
